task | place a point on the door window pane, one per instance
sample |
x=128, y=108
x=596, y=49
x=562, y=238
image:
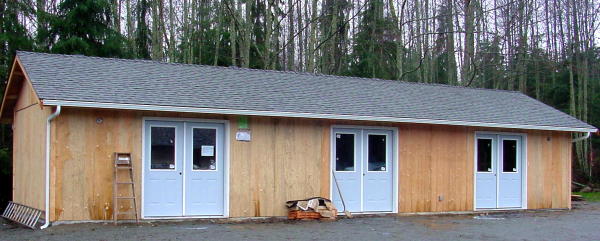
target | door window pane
x=509, y=155
x=162, y=149
x=344, y=152
x=484, y=155
x=377, y=152
x=204, y=153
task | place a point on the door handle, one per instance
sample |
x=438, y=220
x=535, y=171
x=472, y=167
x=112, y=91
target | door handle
x=179, y=173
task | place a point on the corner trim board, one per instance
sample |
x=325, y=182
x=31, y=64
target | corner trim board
x=85, y=104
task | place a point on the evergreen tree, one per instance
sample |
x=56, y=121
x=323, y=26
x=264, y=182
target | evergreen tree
x=13, y=35
x=373, y=54
x=84, y=27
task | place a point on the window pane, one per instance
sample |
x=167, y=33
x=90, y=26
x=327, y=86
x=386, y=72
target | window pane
x=205, y=154
x=162, y=149
x=344, y=152
x=509, y=155
x=484, y=155
x=377, y=152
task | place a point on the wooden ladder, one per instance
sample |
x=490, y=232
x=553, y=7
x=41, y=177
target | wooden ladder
x=123, y=164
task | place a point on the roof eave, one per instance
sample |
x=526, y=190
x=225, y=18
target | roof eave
x=101, y=105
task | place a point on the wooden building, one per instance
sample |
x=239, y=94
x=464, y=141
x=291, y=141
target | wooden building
x=229, y=142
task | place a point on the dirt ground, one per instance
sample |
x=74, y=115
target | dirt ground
x=581, y=223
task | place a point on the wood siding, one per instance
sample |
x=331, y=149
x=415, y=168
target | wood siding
x=29, y=149
x=548, y=170
x=82, y=161
x=282, y=162
x=289, y=159
x=436, y=168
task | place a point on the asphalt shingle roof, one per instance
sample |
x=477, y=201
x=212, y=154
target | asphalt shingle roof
x=142, y=82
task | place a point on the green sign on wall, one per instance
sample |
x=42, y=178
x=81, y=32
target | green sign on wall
x=243, y=122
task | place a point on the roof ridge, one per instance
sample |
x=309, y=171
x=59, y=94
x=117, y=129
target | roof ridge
x=268, y=70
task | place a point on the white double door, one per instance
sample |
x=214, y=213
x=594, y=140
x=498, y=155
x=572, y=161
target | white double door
x=363, y=167
x=499, y=171
x=183, y=169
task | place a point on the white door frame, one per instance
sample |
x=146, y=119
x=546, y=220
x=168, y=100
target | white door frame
x=395, y=160
x=226, y=155
x=523, y=167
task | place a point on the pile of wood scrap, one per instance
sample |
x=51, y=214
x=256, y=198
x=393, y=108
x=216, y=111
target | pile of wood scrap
x=576, y=198
x=311, y=208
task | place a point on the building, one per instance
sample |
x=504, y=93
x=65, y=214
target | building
x=229, y=142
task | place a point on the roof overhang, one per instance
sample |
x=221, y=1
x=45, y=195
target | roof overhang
x=119, y=106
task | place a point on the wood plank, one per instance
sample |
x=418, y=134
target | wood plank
x=325, y=167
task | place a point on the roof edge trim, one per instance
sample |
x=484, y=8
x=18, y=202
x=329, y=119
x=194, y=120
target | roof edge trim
x=103, y=105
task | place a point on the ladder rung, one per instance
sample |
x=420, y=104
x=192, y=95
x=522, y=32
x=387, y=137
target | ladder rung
x=125, y=197
x=126, y=167
x=124, y=182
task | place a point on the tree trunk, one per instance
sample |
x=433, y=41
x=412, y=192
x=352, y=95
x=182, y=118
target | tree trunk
x=172, y=47
x=233, y=33
x=469, y=41
x=300, y=27
x=130, y=26
x=116, y=15
x=398, y=36
x=247, y=35
x=219, y=33
x=310, y=56
x=290, y=42
x=157, y=36
x=451, y=58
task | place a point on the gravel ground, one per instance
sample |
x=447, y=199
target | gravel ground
x=581, y=223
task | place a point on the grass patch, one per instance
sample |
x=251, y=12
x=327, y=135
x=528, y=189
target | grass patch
x=589, y=196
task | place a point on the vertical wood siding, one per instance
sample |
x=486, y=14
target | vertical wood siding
x=548, y=170
x=436, y=168
x=29, y=146
x=289, y=159
x=83, y=161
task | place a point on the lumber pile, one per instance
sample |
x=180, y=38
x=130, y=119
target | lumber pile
x=576, y=197
x=315, y=208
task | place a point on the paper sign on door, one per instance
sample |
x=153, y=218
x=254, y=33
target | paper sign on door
x=208, y=151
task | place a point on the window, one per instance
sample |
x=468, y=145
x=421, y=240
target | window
x=509, y=155
x=344, y=152
x=162, y=149
x=204, y=155
x=377, y=153
x=484, y=155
